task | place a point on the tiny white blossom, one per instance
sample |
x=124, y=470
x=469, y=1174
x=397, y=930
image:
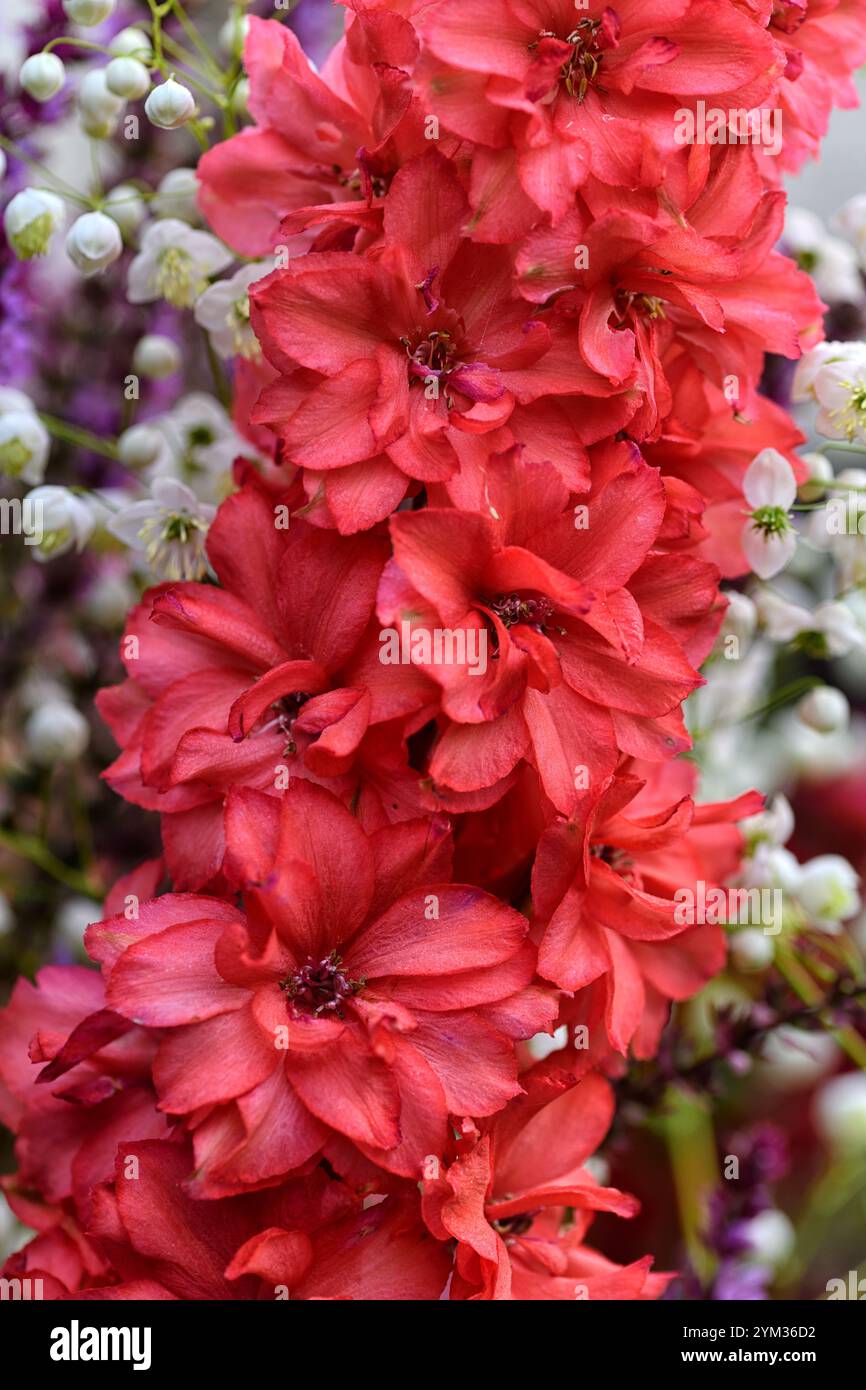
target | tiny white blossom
x=140, y=446
x=131, y=43
x=201, y=444
x=42, y=75
x=56, y=732
x=93, y=242
x=177, y=196
x=30, y=220
x=170, y=529
x=840, y=1112
x=67, y=521
x=224, y=310
x=175, y=262
x=126, y=206
x=88, y=13
x=813, y=361
x=98, y=107
x=824, y=709
x=24, y=440
x=156, y=356
x=828, y=891
x=840, y=390
x=768, y=538
x=170, y=105
x=127, y=78
x=831, y=262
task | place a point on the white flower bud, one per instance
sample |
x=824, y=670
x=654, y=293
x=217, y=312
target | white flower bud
x=30, y=220
x=828, y=891
x=93, y=242
x=98, y=107
x=771, y=1238
x=233, y=33
x=42, y=75
x=156, y=356
x=775, y=823
x=88, y=13
x=73, y=917
x=795, y=1057
x=56, y=732
x=127, y=78
x=241, y=96
x=820, y=474
x=169, y=105
x=840, y=1112
x=125, y=205
x=824, y=709
x=139, y=446
x=741, y=616
x=177, y=196
x=132, y=43
x=3, y=164
x=7, y=920
x=24, y=445
x=66, y=520
x=751, y=950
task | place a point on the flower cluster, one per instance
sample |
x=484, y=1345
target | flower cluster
x=408, y=701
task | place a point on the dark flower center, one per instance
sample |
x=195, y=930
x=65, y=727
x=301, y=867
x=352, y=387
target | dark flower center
x=588, y=41
x=619, y=860
x=320, y=987
x=511, y=609
x=648, y=306
x=516, y=1225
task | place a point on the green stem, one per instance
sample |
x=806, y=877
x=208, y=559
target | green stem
x=29, y=847
x=800, y=981
x=82, y=439
x=56, y=184
x=689, y=1136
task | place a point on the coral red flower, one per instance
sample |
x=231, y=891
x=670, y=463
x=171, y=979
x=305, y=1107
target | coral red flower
x=518, y=1200
x=561, y=94
x=604, y=900
x=361, y=995
x=257, y=682
x=585, y=639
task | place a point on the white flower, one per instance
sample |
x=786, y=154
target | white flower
x=126, y=206
x=201, y=446
x=224, y=310
x=170, y=529
x=840, y=1112
x=831, y=263
x=828, y=891
x=824, y=709
x=177, y=196
x=771, y=1238
x=24, y=444
x=88, y=13
x=127, y=78
x=131, y=43
x=156, y=356
x=768, y=538
x=30, y=220
x=140, y=446
x=175, y=263
x=752, y=950
x=98, y=107
x=820, y=474
x=741, y=616
x=774, y=824
x=73, y=917
x=93, y=242
x=170, y=105
x=42, y=75
x=66, y=520
x=813, y=361
x=795, y=1057
x=837, y=628
x=840, y=390
x=850, y=220
x=233, y=33
x=56, y=732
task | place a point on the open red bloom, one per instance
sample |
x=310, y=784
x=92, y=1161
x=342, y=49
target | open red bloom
x=604, y=899
x=584, y=640
x=257, y=682
x=360, y=995
x=518, y=1199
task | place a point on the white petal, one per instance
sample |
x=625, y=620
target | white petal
x=767, y=554
x=770, y=481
